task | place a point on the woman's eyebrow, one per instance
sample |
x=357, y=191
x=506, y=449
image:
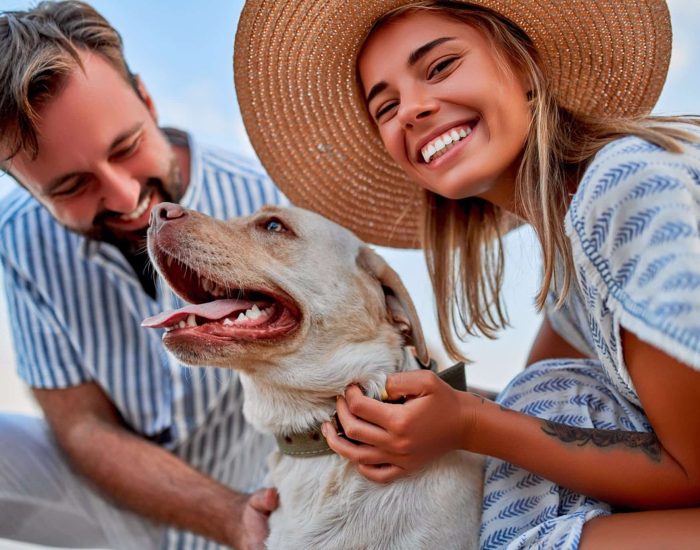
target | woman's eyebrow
x=413, y=58
x=416, y=55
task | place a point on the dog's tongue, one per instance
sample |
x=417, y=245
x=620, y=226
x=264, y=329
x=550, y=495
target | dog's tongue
x=211, y=310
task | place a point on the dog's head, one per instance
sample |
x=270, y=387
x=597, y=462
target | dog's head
x=289, y=298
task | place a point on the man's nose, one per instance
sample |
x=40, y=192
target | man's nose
x=166, y=212
x=121, y=192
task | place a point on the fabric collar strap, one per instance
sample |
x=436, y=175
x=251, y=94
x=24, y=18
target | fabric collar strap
x=312, y=443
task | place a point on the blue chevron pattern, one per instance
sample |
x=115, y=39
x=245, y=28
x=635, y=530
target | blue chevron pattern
x=627, y=270
x=500, y=538
x=673, y=309
x=601, y=228
x=537, y=408
x=655, y=184
x=614, y=176
x=634, y=228
x=685, y=280
x=672, y=231
x=653, y=268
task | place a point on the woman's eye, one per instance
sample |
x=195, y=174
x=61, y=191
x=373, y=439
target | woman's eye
x=441, y=67
x=384, y=109
x=275, y=226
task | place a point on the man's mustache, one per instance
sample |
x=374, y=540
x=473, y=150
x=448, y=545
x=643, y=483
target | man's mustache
x=149, y=186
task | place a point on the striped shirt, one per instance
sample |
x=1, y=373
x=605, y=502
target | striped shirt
x=77, y=306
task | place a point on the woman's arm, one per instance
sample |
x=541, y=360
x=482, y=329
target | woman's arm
x=631, y=469
x=549, y=345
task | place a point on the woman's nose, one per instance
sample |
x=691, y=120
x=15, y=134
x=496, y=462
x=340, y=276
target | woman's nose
x=415, y=108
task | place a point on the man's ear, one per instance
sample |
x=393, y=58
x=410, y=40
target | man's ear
x=399, y=305
x=145, y=96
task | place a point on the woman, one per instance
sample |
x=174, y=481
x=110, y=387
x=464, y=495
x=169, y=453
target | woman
x=510, y=112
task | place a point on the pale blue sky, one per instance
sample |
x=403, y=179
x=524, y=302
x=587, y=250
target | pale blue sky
x=183, y=52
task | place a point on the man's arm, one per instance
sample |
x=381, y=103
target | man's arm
x=146, y=478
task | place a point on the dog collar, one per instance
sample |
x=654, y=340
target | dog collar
x=312, y=443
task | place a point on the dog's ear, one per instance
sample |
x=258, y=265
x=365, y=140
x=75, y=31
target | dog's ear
x=398, y=303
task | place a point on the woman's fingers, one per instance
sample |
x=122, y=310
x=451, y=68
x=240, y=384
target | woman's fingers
x=357, y=427
x=354, y=452
x=410, y=384
x=368, y=409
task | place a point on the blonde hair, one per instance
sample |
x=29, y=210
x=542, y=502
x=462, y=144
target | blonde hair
x=462, y=238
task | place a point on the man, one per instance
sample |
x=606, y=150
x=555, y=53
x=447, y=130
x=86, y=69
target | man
x=136, y=441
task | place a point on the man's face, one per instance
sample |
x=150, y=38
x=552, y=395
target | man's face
x=103, y=163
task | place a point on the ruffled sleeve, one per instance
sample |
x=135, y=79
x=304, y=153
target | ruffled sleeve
x=634, y=229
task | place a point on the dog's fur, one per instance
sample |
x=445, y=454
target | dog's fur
x=352, y=321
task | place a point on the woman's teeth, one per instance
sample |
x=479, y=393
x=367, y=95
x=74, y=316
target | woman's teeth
x=139, y=210
x=442, y=144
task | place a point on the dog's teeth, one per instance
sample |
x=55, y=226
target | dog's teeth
x=253, y=313
x=219, y=291
x=182, y=324
x=228, y=322
x=169, y=260
x=241, y=317
x=191, y=320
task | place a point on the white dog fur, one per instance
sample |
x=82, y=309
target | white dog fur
x=352, y=322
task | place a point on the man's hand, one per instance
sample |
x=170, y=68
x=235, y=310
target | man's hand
x=252, y=531
x=146, y=478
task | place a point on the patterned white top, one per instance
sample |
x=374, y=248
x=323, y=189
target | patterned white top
x=634, y=227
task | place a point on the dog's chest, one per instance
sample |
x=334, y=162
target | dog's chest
x=325, y=503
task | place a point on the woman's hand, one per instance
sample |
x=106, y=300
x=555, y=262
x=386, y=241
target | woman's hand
x=396, y=440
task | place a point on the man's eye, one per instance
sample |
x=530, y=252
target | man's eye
x=72, y=189
x=441, y=67
x=128, y=151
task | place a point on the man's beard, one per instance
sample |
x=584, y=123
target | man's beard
x=133, y=242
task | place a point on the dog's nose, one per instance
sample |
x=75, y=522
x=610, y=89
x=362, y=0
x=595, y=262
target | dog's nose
x=165, y=212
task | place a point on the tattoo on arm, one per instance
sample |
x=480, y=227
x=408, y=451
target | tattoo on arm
x=646, y=442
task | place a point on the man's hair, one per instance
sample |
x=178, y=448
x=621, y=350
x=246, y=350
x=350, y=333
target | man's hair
x=38, y=51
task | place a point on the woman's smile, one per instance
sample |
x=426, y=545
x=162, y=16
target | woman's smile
x=450, y=113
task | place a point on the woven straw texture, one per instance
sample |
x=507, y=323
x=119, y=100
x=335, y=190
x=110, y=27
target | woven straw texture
x=295, y=79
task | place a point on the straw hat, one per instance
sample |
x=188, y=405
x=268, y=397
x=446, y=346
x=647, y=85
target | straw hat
x=304, y=112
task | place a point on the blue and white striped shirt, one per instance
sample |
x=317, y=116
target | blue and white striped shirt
x=77, y=306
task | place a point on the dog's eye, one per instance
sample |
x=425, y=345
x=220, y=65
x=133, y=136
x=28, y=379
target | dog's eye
x=275, y=226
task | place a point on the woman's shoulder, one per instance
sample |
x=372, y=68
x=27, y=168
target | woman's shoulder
x=633, y=227
x=631, y=170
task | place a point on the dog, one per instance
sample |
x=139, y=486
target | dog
x=301, y=308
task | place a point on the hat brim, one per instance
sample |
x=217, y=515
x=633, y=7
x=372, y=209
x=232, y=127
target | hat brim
x=294, y=65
